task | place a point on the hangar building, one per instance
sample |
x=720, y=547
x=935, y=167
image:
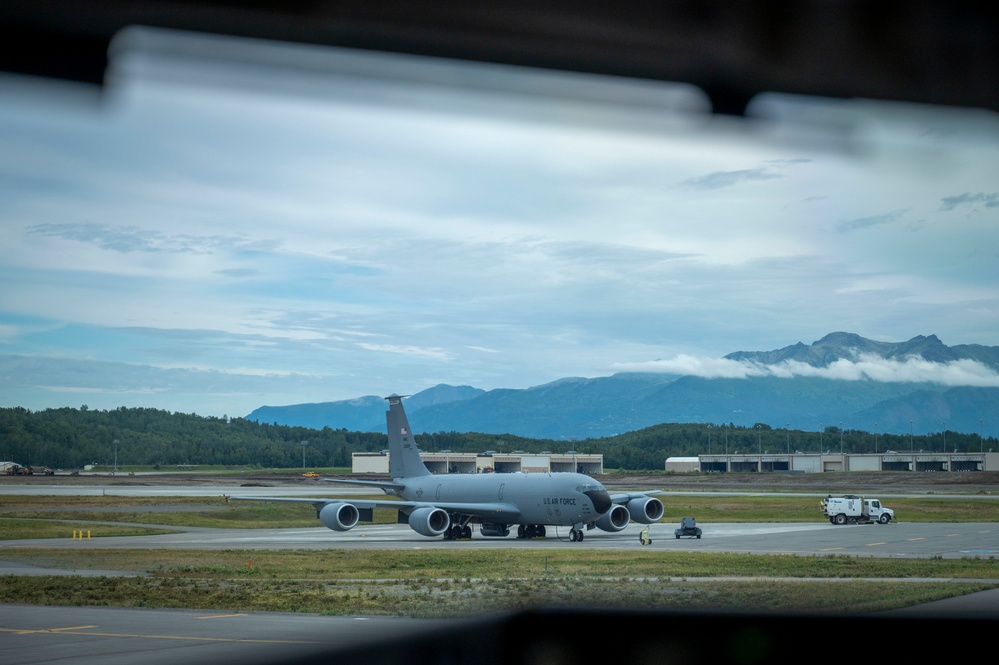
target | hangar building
x=488, y=462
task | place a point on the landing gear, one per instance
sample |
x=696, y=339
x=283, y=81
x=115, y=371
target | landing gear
x=576, y=535
x=531, y=531
x=458, y=532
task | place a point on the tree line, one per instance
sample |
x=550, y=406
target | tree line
x=68, y=438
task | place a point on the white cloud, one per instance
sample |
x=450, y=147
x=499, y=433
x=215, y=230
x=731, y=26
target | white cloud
x=407, y=350
x=865, y=367
x=267, y=235
x=687, y=365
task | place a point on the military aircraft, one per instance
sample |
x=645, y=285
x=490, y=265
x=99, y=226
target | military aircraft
x=447, y=505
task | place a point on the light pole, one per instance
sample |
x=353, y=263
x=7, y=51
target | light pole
x=787, y=427
x=841, y=438
x=981, y=441
x=709, y=439
x=304, y=444
x=945, y=436
x=875, y=438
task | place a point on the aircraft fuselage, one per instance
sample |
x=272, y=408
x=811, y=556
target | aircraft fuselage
x=527, y=498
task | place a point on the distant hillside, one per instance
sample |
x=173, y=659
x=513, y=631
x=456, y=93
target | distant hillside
x=580, y=408
x=354, y=414
x=359, y=414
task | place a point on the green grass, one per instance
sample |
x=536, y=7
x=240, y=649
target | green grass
x=209, y=512
x=206, y=512
x=214, y=469
x=781, y=508
x=25, y=529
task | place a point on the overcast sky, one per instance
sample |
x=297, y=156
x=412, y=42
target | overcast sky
x=211, y=249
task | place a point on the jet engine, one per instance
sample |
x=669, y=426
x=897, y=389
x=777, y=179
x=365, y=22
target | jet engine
x=339, y=516
x=646, y=509
x=429, y=521
x=615, y=519
x=497, y=530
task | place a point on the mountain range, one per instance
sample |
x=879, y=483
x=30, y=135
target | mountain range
x=842, y=379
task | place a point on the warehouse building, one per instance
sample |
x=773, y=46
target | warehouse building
x=822, y=462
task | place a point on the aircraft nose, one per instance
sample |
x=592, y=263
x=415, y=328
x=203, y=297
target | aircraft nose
x=601, y=500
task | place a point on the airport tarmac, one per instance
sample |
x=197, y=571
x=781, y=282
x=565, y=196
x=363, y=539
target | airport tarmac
x=108, y=636
x=898, y=540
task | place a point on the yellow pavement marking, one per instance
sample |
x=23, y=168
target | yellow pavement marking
x=84, y=630
x=29, y=631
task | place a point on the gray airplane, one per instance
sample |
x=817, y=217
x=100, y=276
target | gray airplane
x=448, y=505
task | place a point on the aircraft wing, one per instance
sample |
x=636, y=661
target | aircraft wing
x=625, y=497
x=493, y=512
x=367, y=483
x=317, y=503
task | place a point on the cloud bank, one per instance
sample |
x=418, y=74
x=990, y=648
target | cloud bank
x=865, y=367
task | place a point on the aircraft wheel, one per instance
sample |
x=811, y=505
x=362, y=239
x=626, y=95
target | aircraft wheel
x=572, y=535
x=579, y=536
x=466, y=531
x=521, y=531
x=541, y=531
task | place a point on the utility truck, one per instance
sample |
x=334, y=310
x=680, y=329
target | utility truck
x=688, y=527
x=852, y=509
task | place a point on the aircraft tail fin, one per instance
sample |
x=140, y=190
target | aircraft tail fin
x=404, y=457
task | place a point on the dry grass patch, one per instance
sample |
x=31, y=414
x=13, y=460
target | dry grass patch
x=432, y=599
